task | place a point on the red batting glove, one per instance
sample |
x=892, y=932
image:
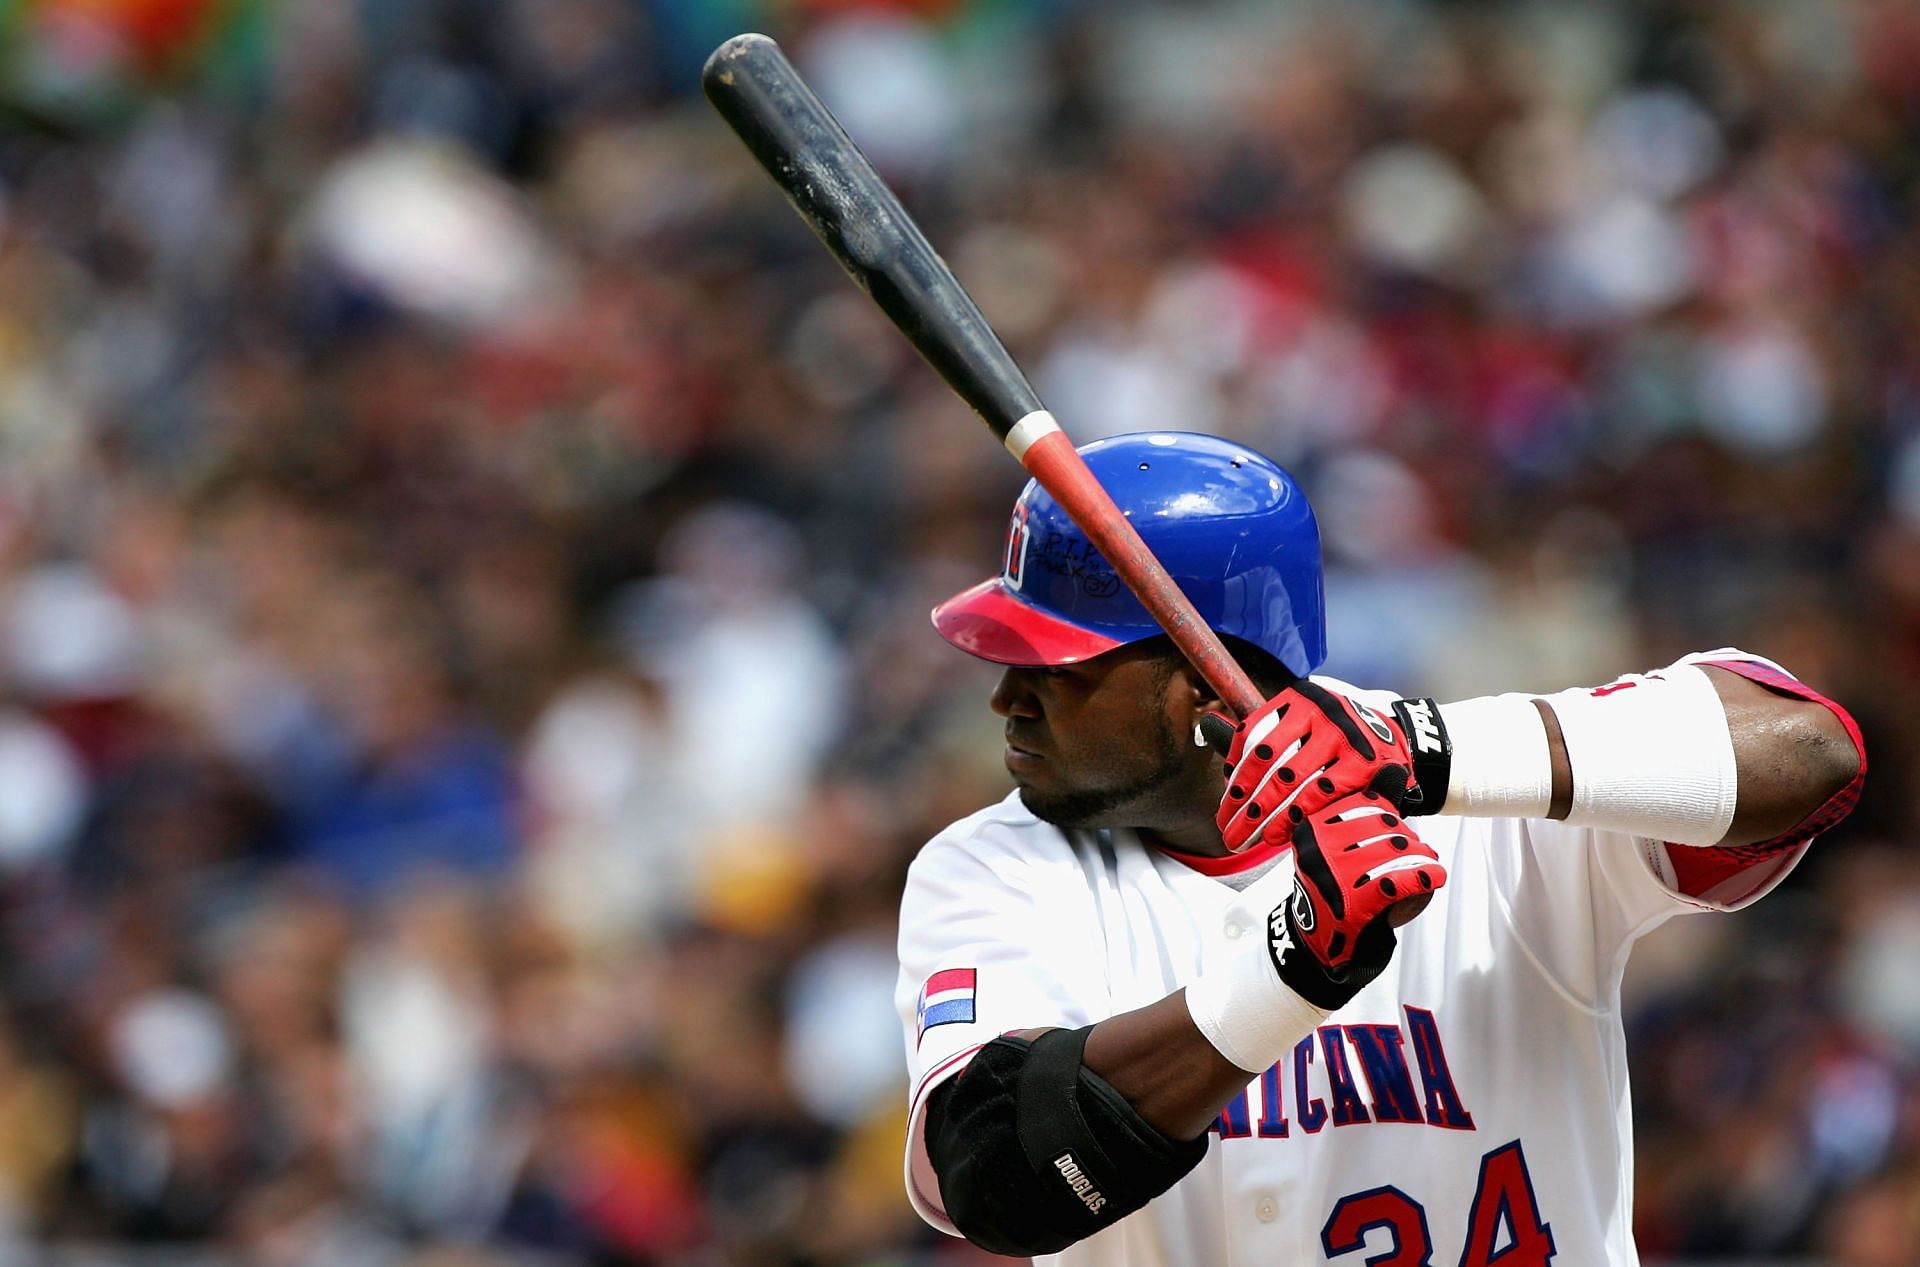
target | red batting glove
x=1304, y=749
x=1353, y=863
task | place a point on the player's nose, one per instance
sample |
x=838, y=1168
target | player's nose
x=1013, y=695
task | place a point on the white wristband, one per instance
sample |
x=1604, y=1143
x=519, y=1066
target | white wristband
x=1501, y=767
x=1249, y=1015
x=1651, y=755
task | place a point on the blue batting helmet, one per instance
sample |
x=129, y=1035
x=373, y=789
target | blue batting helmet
x=1233, y=529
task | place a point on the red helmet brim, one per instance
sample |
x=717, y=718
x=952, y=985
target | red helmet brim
x=989, y=622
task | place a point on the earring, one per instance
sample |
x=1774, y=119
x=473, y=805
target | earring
x=1199, y=737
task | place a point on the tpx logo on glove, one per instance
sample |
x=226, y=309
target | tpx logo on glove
x=1420, y=720
x=1279, y=937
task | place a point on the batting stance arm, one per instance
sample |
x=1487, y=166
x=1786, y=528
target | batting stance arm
x=1719, y=750
x=1052, y=1135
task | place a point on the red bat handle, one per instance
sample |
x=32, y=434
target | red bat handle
x=1050, y=458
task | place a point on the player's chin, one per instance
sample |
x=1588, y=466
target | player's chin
x=1029, y=781
x=1072, y=809
x=1043, y=806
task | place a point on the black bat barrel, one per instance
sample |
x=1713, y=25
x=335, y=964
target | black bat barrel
x=836, y=190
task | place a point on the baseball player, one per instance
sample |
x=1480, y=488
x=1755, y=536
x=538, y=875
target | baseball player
x=1161, y=1009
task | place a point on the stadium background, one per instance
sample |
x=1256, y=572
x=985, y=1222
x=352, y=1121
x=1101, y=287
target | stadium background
x=464, y=555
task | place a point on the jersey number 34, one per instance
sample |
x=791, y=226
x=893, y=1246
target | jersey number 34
x=1503, y=1228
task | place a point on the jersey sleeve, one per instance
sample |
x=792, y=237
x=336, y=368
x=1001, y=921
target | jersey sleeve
x=1578, y=898
x=997, y=933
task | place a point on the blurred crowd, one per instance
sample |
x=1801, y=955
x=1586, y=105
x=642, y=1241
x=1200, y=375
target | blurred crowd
x=466, y=697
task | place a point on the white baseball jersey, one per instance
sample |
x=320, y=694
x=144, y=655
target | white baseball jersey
x=1469, y=1104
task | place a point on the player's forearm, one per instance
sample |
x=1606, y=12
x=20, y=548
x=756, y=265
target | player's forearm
x=1696, y=755
x=1157, y=1058
x=1179, y=1061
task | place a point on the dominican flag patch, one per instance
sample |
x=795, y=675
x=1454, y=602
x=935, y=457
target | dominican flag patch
x=946, y=999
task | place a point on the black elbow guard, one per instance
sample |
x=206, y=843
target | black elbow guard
x=1035, y=1151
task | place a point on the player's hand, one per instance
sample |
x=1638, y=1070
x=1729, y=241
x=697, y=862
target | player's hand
x=1304, y=749
x=1358, y=871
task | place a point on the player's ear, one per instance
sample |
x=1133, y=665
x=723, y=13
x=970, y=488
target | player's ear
x=1194, y=691
x=1202, y=702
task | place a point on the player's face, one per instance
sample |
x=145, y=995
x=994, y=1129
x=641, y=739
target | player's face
x=1109, y=743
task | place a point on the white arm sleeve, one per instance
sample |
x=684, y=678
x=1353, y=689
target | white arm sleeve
x=997, y=933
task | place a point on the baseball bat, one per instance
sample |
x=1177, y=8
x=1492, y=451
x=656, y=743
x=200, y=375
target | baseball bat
x=836, y=190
